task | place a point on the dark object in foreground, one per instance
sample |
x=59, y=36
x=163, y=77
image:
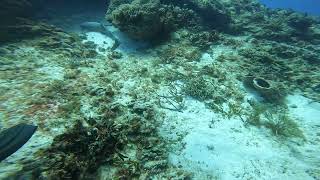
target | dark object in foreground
x=14, y=138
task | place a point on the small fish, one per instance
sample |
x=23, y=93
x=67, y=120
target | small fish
x=14, y=138
x=99, y=27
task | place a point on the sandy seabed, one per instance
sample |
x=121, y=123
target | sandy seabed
x=203, y=141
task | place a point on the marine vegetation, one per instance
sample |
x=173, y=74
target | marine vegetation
x=283, y=125
x=274, y=118
x=79, y=152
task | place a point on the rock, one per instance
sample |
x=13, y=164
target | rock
x=147, y=20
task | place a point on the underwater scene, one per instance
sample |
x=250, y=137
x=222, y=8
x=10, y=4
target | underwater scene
x=159, y=89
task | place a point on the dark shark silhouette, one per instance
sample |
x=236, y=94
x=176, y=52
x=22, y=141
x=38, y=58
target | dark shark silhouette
x=14, y=138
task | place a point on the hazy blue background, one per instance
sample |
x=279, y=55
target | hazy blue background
x=308, y=6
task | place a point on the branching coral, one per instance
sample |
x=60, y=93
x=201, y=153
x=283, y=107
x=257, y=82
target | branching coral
x=178, y=54
x=174, y=101
x=199, y=88
x=203, y=39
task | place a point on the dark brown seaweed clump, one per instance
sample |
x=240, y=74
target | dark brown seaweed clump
x=79, y=152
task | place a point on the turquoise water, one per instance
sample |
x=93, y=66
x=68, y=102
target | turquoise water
x=306, y=6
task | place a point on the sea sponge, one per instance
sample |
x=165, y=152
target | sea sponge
x=265, y=88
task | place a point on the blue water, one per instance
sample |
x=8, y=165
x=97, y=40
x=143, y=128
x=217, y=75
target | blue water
x=307, y=6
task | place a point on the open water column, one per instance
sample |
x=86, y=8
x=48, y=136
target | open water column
x=311, y=7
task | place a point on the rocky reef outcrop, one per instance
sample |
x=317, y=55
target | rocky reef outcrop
x=10, y=10
x=151, y=19
x=46, y=37
x=16, y=19
x=148, y=20
x=254, y=19
x=212, y=13
x=24, y=28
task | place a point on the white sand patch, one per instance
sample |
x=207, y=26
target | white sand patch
x=220, y=50
x=304, y=108
x=307, y=114
x=126, y=44
x=102, y=41
x=215, y=147
x=206, y=58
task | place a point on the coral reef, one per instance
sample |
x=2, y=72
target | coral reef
x=47, y=37
x=122, y=138
x=148, y=20
x=202, y=39
x=276, y=25
x=287, y=66
x=14, y=14
x=154, y=19
x=212, y=13
x=80, y=151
